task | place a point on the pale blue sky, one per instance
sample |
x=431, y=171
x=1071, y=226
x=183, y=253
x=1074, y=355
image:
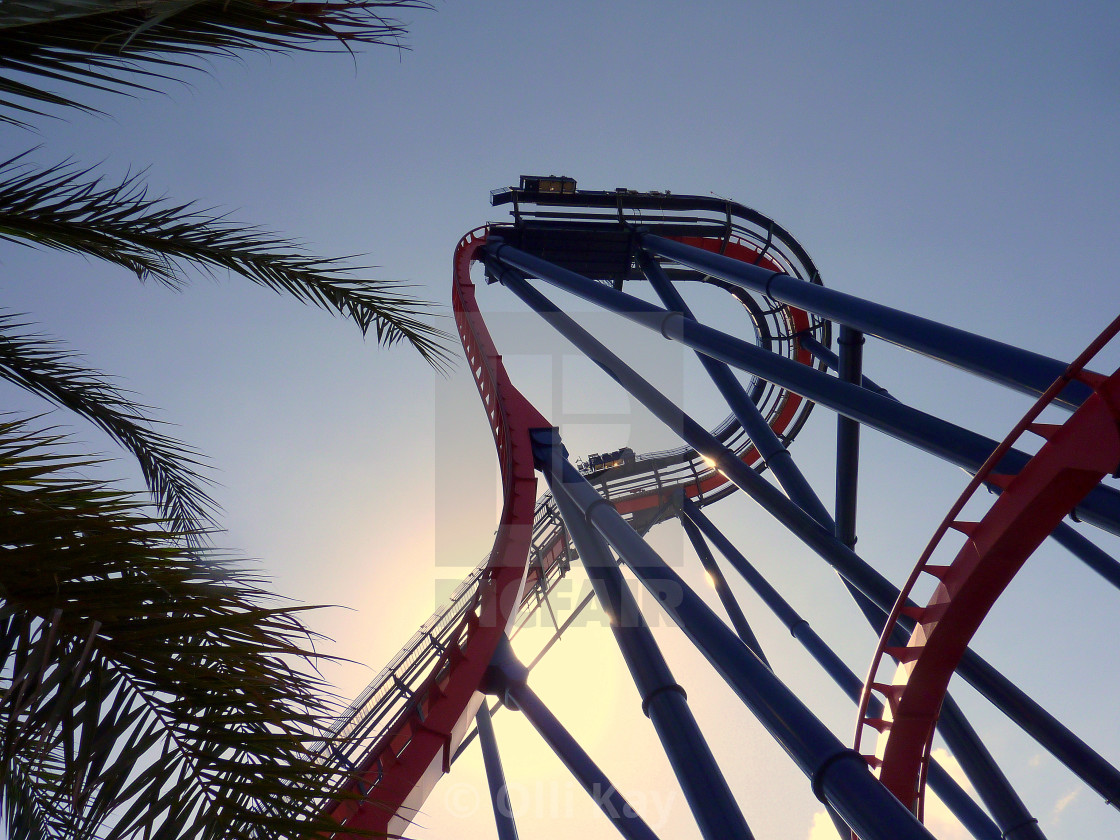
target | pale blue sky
x=956, y=160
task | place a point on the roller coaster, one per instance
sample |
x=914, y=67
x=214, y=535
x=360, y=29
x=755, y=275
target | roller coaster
x=430, y=702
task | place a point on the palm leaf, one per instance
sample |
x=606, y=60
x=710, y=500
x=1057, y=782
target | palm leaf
x=41, y=366
x=145, y=690
x=132, y=44
x=21, y=814
x=65, y=207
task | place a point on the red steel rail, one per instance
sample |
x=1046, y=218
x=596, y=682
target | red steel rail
x=401, y=770
x=1076, y=455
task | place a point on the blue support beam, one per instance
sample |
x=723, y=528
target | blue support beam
x=798, y=627
x=938, y=437
x=962, y=738
x=723, y=590
x=495, y=775
x=832, y=361
x=1080, y=546
x=772, y=451
x=1092, y=555
x=1012, y=815
x=508, y=677
x=847, y=440
x=663, y=701
x=1014, y=819
x=1010, y=366
x=1086, y=763
x=839, y=776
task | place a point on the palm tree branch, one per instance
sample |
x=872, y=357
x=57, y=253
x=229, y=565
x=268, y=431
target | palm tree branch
x=141, y=679
x=25, y=815
x=76, y=39
x=64, y=207
x=32, y=94
x=39, y=365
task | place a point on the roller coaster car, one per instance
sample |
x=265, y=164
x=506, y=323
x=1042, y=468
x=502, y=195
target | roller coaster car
x=596, y=464
x=550, y=184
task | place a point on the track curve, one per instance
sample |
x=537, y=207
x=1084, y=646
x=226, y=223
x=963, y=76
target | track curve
x=1075, y=457
x=431, y=700
x=397, y=774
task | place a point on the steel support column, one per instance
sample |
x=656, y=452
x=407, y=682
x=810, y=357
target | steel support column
x=839, y=776
x=1080, y=546
x=1024, y=711
x=771, y=449
x=719, y=583
x=954, y=797
x=847, y=440
x=509, y=677
x=1011, y=366
x=495, y=775
x=798, y=627
x=832, y=361
x=931, y=434
x=1004, y=803
x=1096, y=558
x=663, y=700
x=980, y=767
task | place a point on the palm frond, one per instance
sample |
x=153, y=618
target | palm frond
x=20, y=809
x=146, y=690
x=41, y=366
x=129, y=45
x=66, y=207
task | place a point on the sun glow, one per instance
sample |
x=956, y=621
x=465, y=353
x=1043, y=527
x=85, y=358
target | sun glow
x=580, y=678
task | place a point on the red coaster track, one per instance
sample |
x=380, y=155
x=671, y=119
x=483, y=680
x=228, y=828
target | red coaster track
x=1075, y=457
x=397, y=772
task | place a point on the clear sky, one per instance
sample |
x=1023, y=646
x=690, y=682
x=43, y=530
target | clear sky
x=957, y=160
